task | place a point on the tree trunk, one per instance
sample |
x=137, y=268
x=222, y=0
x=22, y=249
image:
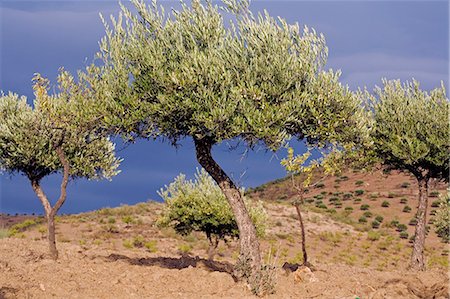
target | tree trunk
x=417, y=258
x=249, y=244
x=297, y=204
x=302, y=227
x=213, y=243
x=50, y=212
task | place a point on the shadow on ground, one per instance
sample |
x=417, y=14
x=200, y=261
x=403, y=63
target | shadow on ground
x=182, y=262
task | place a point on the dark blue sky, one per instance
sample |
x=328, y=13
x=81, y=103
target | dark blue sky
x=367, y=40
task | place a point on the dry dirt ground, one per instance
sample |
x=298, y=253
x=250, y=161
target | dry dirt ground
x=98, y=273
x=120, y=253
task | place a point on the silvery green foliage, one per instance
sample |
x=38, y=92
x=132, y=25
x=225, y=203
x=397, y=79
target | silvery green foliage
x=200, y=205
x=29, y=134
x=188, y=74
x=442, y=218
x=410, y=130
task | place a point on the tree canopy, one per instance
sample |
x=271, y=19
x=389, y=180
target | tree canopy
x=410, y=130
x=259, y=78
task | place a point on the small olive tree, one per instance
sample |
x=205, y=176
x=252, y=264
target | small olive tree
x=258, y=81
x=200, y=205
x=411, y=133
x=53, y=136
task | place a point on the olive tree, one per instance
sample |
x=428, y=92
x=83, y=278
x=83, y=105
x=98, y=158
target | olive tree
x=257, y=80
x=411, y=133
x=53, y=136
x=199, y=205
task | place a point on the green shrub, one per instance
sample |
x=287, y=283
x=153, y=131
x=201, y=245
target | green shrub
x=344, y=178
x=200, y=205
x=367, y=214
x=406, y=209
x=322, y=206
x=434, y=194
x=185, y=248
x=412, y=222
x=379, y=218
x=334, y=198
x=394, y=223
x=320, y=185
x=404, y=235
x=392, y=195
x=348, y=209
x=347, y=196
x=359, y=183
x=151, y=246
x=435, y=203
x=357, y=200
x=385, y=204
x=362, y=219
x=364, y=207
x=403, y=200
x=401, y=227
x=127, y=244
x=318, y=196
x=359, y=192
x=375, y=224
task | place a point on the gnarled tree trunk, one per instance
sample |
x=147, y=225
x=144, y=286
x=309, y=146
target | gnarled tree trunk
x=50, y=212
x=417, y=258
x=249, y=244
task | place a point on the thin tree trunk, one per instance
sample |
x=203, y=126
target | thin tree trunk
x=417, y=257
x=302, y=227
x=297, y=204
x=50, y=212
x=249, y=244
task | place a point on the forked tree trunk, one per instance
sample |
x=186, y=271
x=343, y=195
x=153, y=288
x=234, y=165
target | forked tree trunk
x=417, y=257
x=50, y=212
x=249, y=244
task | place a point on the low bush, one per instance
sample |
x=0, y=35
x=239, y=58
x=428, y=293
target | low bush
x=359, y=183
x=200, y=205
x=367, y=214
x=375, y=224
x=364, y=207
x=379, y=218
x=404, y=235
x=385, y=204
x=434, y=194
x=406, y=209
x=359, y=192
